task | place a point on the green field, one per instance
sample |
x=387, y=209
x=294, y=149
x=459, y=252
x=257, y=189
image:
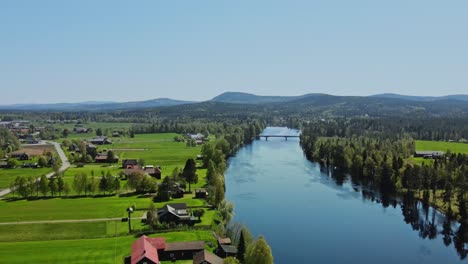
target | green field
x=79, y=208
x=107, y=250
x=95, y=242
x=424, y=145
x=7, y=176
x=63, y=231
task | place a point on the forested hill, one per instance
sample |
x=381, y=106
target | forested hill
x=252, y=106
x=247, y=98
x=460, y=97
x=95, y=106
x=321, y=105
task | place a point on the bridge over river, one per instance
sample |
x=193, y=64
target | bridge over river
x=277, y=136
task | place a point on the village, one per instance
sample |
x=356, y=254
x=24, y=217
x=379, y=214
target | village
x=150, y=160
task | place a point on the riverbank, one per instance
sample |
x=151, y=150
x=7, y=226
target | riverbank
x=266, y=179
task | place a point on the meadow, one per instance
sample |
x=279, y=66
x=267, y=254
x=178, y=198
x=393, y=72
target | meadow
x=103, y=250
x=7, y=176
x=454, y=147
x=103, y=241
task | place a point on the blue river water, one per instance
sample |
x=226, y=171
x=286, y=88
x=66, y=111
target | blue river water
x=309, y=216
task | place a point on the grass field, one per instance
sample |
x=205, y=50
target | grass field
x=62, y=231
x=7, y=176
x=95, y=242
x=79, y=208
x=424, y=145
x=107, y=250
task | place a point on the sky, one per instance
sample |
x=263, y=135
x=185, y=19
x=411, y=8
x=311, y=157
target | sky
x=73, y=51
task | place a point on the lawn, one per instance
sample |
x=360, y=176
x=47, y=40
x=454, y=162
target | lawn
x=62, y=231
x=7, y=176
x=80, y=208
x=454, y=147
x=110, y=250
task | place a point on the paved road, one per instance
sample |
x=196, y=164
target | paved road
x=70, y=221
x=63, y=157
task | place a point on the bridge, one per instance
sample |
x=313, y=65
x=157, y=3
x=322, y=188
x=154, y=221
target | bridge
x=278, y=136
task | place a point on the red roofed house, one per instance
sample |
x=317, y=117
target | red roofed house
x=143, y=252
x=146, y=250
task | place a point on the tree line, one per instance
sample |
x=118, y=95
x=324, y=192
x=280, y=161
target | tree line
x=82, y=184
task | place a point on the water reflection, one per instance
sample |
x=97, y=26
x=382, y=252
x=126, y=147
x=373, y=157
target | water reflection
x=317, y=213
x=427, y=221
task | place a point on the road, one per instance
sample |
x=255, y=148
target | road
x=63, y=157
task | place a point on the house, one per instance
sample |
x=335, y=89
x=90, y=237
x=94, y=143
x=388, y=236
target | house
x=154, y=250
x=20, y=155
x=102, y=157
x=182, y=250
x=91, y=149
x=101, y=140
x=116, y=134
x=30, y=165
x=82, y=130
x=135, y=169
x=197, y=136
x=224, y=241
x=129, y=163
x=3, y=164
x=225, y=251
x=175, y=212
x=205, y=257
x=74, y=147
x=429, y=154
x=152, y=171
x=143, y=252
x=201, y=193
x=177, y=191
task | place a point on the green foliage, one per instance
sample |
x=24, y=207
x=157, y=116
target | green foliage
x=142, y=183
x=231, y=260
x=43, y=185
x=189, y=172
x=110, y=156
x=199, y=213
x=80, y=182
x=8, y=140
x=12, y=163
x=152, y=216
x=226, y=210
x=164, y=190
x=259, y=252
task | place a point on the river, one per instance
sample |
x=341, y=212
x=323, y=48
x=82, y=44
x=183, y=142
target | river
x=309, y=216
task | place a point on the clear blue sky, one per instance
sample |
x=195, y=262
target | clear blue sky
x=70, y=51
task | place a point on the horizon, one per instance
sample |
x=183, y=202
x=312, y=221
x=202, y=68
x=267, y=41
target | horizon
x=55, y=52
x=198, y=101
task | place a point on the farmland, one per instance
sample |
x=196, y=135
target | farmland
x=102, y=250
x=9, y=175
x=78, y=241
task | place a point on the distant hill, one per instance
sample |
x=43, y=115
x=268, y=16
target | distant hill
x=93, y=106
x=246, y=105
x=315, y=105
x=460, y=97
x=246, y=98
